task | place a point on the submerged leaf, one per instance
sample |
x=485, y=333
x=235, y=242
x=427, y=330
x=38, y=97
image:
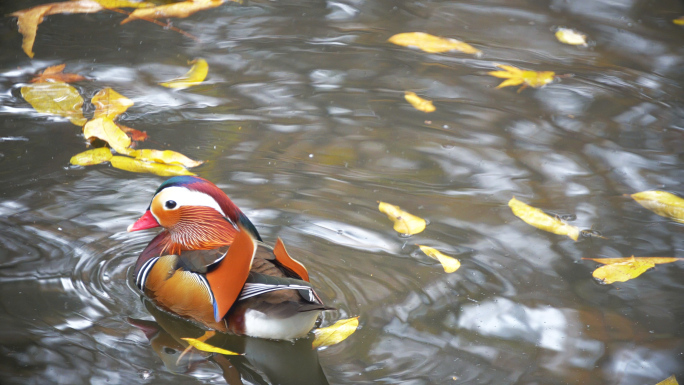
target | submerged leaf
x=136, y=135
x=91, y=157
x=198, y=72
x=181, y=9
x=105, y=129
x=670, y=380
x=623, y=271
x=539, y=219
x=335, y=333
x=450, y=264
x=516, y=76
x=137, y=165
x=404, y=223
x=570, y=36
x=110, y=104
x=655, y=260
x=28, y=19
x=55, y=73
x=419, y=103
x=205, y=347
x=55, y=98
x=430, y=43
x=679, y=20
x=662, y=203
x=167, y=157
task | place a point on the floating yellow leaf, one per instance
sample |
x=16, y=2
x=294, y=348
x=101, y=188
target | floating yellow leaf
x=105, y=129
x=91, y=157
x=181, y=9
x=110, y=4
x=450, y=264
x=404, y=222
x=679, y=20
x=137, y=165
x=517, y=77
x=430, y=43
x=55, y=98
x=110, y=104
x=419, y=103
x=623, y=271
x=205, y=347
x=570, y=36
x=198, y=72
x=655, y=260
x=55, y=74
x=670, y=380
x=662, y=203
x=335, y=333
x=539, y=219
x=28, y=19
x=167, y=157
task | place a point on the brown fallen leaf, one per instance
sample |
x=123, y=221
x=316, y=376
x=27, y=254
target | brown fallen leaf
x=55, y=73
x=335, y=333
x=196, y=75
x=419, y=103
x=672, y=380
x=662, y=203
x=623, y=271
x=91, y=157
x=517, y=76
x=655, y=260
x=109, y=104
x=205, y=347
x=450, y=264
x=404, y=222
x=181, y=9
x=430, y=43
x=539, y=219
x=55, y=98
x=28, y=19
x=136, y=165
x=105, y=129
x=135, y=135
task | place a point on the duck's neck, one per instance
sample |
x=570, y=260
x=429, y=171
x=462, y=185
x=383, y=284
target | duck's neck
x=195, y=235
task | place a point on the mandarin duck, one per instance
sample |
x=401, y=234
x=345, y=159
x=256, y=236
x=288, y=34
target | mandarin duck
x=209, y=264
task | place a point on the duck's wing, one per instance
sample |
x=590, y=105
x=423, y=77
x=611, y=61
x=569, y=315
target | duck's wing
x=275, y=261
x=259, y=284
x=202, y=261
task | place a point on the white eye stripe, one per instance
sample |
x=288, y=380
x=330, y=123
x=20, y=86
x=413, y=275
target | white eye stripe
x=186, y=197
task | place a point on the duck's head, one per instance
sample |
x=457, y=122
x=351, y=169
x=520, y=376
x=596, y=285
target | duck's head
x=193, y=210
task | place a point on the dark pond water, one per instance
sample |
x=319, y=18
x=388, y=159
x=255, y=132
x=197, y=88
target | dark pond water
x=302, y=122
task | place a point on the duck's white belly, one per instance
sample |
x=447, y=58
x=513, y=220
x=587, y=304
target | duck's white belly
x=257, y=324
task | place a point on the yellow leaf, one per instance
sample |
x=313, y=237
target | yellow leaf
x=419, y=103
x=110, y=104
x=136, y=165
x=450, y=264
x=110, y=4
x=167, y=157
x=404, y=222
x=55, y=98
x=198, y=72
x=91, y=157
x=655, y=260
x=622, y=272
x=539, y=219
x=679, y=20
x=181, y=9
x=28, y=19
x=662, y=203
x=205, y=347
x=517, y=76
x=670, y=380
x=570, y=36
x=105, y=129
x=335, y=333
x=430, y=43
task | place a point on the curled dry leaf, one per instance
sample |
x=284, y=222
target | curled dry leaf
x=516, y=77
x=198, y=72
x=181, y=9
x=623, y=271
x=91, y=157
x=670, y=380
x=55, y=98
x=205, y=347
x=450, y=264
x=105, y=129
x=404, y=222
x=31, y=17
x=137, y=165
x=110, y=104
x=539, y=219
x=570, y=36
x=55, y=73
x=166, y=157
x=419, y=103
x=430, y=43
x=135, y=135
x=662, y=203
x=655, y=260
x=335, y=333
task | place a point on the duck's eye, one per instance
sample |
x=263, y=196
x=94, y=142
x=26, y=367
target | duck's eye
x=170, y=204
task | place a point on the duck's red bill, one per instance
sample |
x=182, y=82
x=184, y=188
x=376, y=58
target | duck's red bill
x=145, y=222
